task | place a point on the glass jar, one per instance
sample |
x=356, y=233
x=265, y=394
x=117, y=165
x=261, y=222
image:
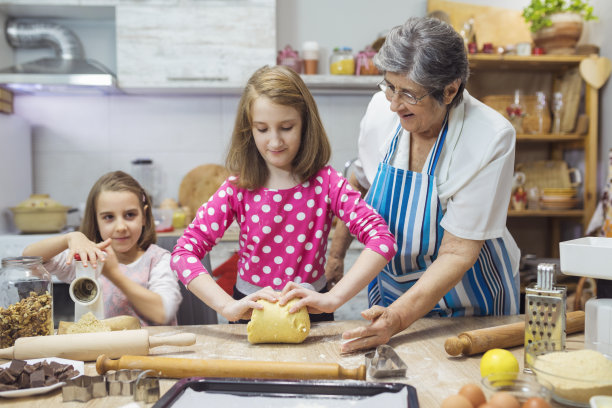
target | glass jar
x=26, y=299
x=342, y=62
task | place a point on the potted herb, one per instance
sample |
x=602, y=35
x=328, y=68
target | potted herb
x=556, y=25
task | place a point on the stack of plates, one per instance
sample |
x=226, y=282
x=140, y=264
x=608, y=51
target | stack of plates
x=558, y=198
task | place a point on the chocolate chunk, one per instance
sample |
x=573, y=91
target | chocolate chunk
x=6, y=377
x=51, y=381
x=48, y=370
x=16, y=367
x=29, y=368
x=24, y=380
x=63, y=368
x=66, y=375
x=7, y=387
x=37, y=379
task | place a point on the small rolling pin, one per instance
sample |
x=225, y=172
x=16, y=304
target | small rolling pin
x=170, y=367
x=88, y=346
x=509, y=335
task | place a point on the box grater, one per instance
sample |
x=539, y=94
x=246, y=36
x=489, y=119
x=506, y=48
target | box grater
x=544, y=314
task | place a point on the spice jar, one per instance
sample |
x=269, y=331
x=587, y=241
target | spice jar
x=26, y=299
x=342, y=62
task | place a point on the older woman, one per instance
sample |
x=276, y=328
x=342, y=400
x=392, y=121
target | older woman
x=437, y=164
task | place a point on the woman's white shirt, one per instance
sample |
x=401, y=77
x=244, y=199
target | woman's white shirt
x=474, y=172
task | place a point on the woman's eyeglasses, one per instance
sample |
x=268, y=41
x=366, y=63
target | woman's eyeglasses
x=404, y=96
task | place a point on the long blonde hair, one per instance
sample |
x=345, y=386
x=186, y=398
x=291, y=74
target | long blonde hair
x=118, y=181
x=284, y=87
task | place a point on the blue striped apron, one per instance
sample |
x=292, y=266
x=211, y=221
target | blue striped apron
x=409, y=202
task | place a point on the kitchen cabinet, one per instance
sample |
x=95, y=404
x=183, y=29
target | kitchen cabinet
x=207, y=44
x=494, y=74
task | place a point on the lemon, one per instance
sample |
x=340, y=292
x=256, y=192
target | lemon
x=497, y=361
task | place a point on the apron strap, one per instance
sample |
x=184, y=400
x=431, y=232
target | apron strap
x=433, y=162
x=393, y=146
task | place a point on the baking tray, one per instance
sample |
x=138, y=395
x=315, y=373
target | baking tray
x=290, y=392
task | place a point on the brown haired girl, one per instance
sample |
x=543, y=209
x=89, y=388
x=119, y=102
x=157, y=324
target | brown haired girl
x=283, y=197
x=118, y=228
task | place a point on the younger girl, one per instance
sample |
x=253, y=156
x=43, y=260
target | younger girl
x=283, y=196
x=118, y=228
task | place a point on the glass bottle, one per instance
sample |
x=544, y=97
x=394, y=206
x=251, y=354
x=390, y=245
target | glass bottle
x=342, y=61
x=516, y=112
x=557, y=108
x=26, y=299
x=540, y=109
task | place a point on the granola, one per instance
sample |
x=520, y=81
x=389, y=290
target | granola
x=31, y=316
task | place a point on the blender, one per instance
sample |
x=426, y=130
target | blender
x=149, y=177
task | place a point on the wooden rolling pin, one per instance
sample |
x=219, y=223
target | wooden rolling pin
x=509, y=335
x=169, y=367
x=88, y=346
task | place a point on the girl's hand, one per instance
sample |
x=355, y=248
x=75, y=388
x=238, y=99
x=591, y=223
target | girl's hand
x=384, y=323
x=242, y=309
x=87, y=250
x=111, y=263
x=316, y=302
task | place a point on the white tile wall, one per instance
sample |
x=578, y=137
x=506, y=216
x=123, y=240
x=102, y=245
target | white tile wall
x=76, y=139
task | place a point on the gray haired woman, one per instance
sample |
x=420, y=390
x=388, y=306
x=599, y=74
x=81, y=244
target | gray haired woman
x=437, y=164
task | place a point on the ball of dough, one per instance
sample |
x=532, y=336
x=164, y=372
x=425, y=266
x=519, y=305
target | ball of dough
x=274, y=324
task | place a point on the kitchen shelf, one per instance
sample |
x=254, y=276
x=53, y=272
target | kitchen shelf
x=550, y=138
x=573, y=213
x=524, y=63
x=519, y=72
x=342, y=84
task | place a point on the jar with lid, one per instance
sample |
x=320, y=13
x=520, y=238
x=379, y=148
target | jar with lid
x=26, y=299
x=342, y=62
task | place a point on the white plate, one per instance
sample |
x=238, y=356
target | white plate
x=78, y=366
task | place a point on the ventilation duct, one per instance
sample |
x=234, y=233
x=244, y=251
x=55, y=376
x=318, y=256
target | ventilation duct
x=67, y=71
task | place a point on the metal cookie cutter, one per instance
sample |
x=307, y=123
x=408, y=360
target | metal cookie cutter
x=84, y=388
x=384, y=362
x=147, y=387
x=134, y=382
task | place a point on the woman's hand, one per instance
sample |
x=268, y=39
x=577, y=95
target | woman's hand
x=242, y=309
x=87, y=250
x=314, y=301
x=384, y=324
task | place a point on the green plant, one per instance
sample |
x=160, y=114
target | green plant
x=538, y=11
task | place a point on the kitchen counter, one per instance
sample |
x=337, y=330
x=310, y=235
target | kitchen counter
x=433, y=373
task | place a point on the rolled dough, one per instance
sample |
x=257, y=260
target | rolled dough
x=274, y=324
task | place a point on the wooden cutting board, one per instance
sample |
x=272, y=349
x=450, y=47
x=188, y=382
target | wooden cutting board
x=199, y=184
x=495, y=25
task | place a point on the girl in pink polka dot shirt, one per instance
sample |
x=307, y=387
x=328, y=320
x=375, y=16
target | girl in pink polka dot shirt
x=283, y=197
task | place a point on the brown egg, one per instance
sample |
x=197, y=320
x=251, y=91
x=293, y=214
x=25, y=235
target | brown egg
x=486, y=405
x=474, y=393
x=535, y=402
x=456, y=401
x=504, y=400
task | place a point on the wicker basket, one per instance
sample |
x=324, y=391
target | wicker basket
x=549, y=174
x=530, y=121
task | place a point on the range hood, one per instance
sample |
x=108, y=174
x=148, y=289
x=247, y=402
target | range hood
x=68, y=72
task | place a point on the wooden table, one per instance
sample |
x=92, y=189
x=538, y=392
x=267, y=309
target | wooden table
x=431, y=370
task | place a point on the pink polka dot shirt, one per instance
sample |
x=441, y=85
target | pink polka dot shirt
x=283, y=233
